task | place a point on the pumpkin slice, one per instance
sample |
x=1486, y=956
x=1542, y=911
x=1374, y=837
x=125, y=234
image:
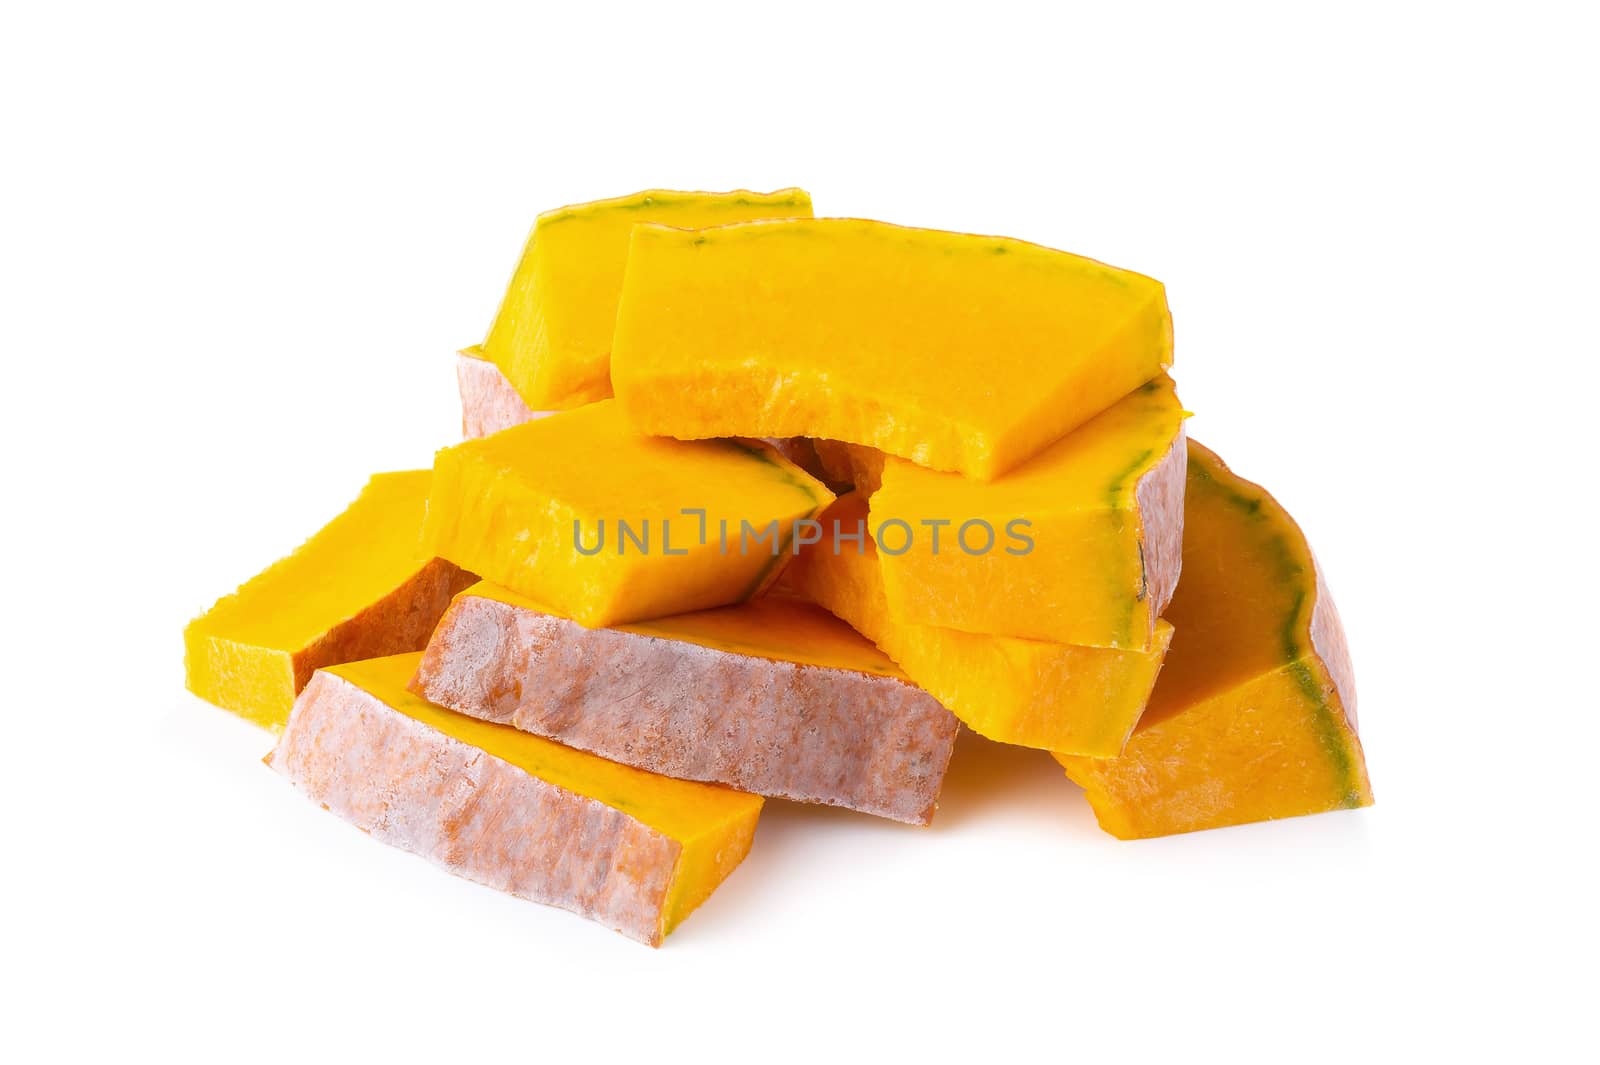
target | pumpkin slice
x=1101, y=511
x=361, y=587
x=1054, y=696
x=552, y=335
x=606, y=526
x=1254, y=717
x=774, y=696
x=957, y=352
x=632, y=850
x=488, y=402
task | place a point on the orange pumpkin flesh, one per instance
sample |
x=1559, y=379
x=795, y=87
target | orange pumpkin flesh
x=1253, y=716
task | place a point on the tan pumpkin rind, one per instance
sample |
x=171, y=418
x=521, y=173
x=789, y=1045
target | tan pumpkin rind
x=775, y=697
x=489, y=403
x=432, y=783
x=1160, y=493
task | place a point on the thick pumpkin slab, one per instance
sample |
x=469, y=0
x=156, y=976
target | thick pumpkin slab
x=552, y=335
x=957, y=352
x=488, y=402
x=606, y=526
x=632, y=850
x=1081, y=544
x=361, y=587
x=1254, y=716
x=1058, y=697
x=775, y=696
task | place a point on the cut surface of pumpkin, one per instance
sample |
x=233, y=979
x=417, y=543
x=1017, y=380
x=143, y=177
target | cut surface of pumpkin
x=604, y=526
x=1033, y=693
x=957, y=352
x=1254, y=716
x=552, y=335
x=1081, y=544
x=488, y=402
x=775, y=696
x=363, y=586
x=632, y=850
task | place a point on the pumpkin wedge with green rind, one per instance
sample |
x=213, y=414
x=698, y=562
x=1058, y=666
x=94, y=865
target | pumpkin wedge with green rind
x=957, y=352
x=552, y=334
x=540, y=508
x=1058, y=697
x=1102, y=513
x=1254, y=715
x=632, y=850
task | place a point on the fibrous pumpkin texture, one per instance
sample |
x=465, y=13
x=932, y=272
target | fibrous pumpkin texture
x=774, y=696
x=957, y=352
x=552, y=335
x=632, y=850
x=1081, y=544
x=363, y=586
x=579, y=512
x=1254, y=716
x=1059, y=697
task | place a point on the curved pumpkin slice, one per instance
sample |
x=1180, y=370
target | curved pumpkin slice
x=552, y=334
x=957, y=352
x=1254, y=716
x=1054, y=696
x=1102, y=513
x=774, y=696
x=632, y=850
x=606, y=526
x=362, y=586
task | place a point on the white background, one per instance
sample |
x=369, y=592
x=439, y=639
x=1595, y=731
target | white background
x=238, y=250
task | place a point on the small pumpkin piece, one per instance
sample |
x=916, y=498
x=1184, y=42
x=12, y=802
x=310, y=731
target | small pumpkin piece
x=632, y=850
x=552, y=334
x=362, y=586
x=1101, y=511
x=957, y=352
x=1058, y=697
x=488, y=402
x=1254, y=717
x=774, y=696
x=579, y=512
